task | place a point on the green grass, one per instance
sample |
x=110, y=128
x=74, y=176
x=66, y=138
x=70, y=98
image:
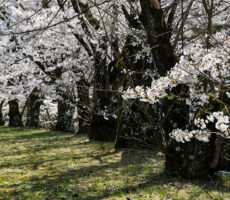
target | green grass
x=43, y=165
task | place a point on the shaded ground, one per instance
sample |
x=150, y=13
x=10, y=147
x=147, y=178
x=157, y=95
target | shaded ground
x=41, y=165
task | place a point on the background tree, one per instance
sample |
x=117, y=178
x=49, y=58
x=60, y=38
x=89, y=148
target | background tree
x=124, y=77
x=2, y=123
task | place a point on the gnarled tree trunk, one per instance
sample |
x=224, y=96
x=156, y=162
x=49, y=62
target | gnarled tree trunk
x=158, y=36
x=65, y=119
x=33, y=108
x=101, y=128
x=132, y=128
x=82, y=104
x=15, y=118
x=191, y=159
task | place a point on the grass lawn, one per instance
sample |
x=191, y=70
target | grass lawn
x=38, y=164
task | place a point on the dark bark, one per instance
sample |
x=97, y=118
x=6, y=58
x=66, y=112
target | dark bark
x=172, y=13
x=33, y=108
x=164, y=58
x=187, y=160
x=224, y=162
x=133, y=129
x=158, y=37
x=132, y=125
x=134, y=23
x=83, y=107
x=65, y=119
x=191, y=159
x=45, y=4
x=2, y=122
x=101, y=128
x=15, y=118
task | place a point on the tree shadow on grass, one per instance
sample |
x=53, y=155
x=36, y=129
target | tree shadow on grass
x=33, y=164
x=59, y=183
x=103, y=170
x=45, y=141
x=29, y=134
x=54, y=183
x=131, y=163
x=12, y=130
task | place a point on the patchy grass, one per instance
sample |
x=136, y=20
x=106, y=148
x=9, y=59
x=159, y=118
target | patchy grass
x=42, y=165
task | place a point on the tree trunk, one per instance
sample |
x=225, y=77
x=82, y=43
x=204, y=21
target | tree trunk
x=158, y=36
x=2, y=122
x=224, y=163
x=133, y=123
x=188, y=160
x=133, y=129
x=65, y=119
x=15, y=118
x=83, y=106
x=101, y=128
x=33, y=109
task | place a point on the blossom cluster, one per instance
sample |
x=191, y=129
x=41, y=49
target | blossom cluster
x=186, y=135
x=207, y=75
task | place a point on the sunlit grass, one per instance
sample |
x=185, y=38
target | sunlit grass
x=43, y=165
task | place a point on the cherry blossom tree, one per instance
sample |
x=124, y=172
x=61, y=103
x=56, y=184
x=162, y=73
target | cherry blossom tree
x=194, y=93
x=128, y=69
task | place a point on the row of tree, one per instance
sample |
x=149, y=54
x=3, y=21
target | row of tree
x=129, y=70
